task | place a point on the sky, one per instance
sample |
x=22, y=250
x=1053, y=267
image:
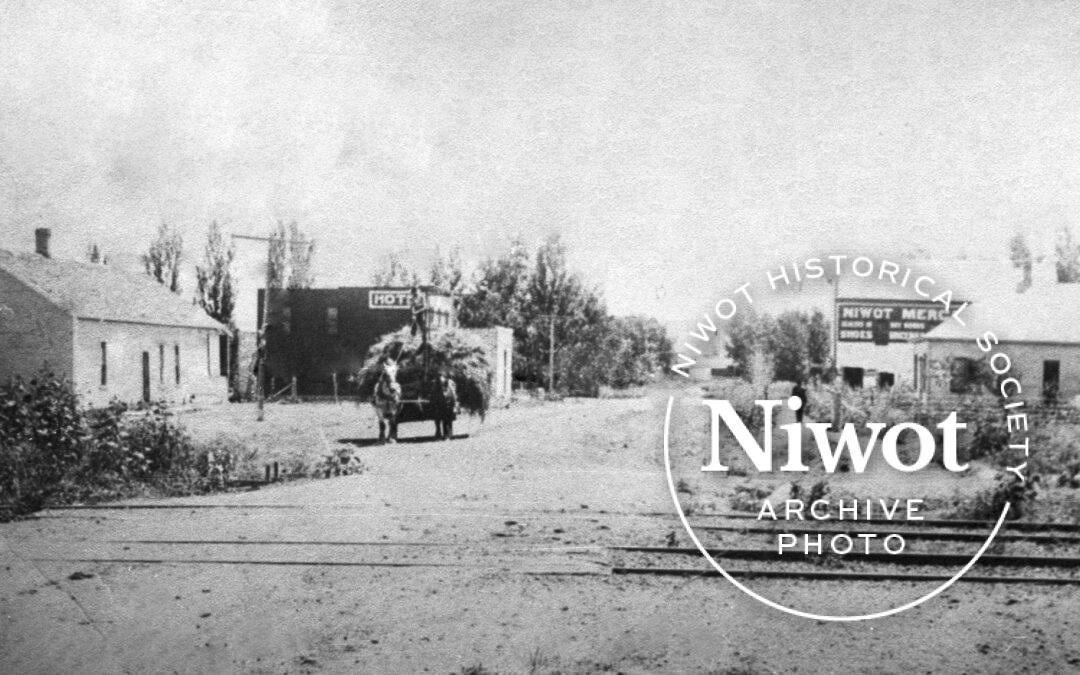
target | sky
x=678, y=148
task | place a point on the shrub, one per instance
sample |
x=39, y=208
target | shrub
x=748, y=498
x=741, y=395
x=989, y=436
x=53, y=451
x=988, y=503
x=42, y=437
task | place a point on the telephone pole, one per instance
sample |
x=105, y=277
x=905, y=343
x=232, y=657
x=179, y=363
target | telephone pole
x=551, y=355
x=260, y=336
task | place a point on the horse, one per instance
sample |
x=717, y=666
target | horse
x=444, y=400
x=386, y=400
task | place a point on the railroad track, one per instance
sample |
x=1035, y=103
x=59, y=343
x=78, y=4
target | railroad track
x=1033, y=552
x=1022, y=553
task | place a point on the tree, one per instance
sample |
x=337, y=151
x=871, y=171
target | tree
x=760, y=371
x=214, y=280
x=791, y=343
x=1020, y=254
x=534, y=296
x=643, y=350
x=1068, y=257
x=790, y=352
x=446, y=274
x=557, y=304
x=301, y=251
x=499, y=291
x=277, y=275
x=395, y=272
x=162, y=261
x=748, y=332
x=290, y=257
x=819, y=340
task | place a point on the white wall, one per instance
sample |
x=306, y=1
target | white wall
x=500, y=353
x=895, y=357
x=125, y=343
x=1026, y=365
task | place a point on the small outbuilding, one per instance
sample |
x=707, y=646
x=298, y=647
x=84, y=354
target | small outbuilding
x=116, y=334
x=1038, y=334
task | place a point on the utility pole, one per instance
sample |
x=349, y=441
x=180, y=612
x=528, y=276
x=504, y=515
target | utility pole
x=261, y=345
x=261, y=337
x=551, y=355
x=835, y=327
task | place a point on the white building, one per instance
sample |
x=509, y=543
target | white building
x=1038, y=332
x=876, y=322
x=115, y=334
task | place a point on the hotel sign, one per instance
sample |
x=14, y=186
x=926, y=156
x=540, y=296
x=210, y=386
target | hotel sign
x=388, y=299
x=885, y=321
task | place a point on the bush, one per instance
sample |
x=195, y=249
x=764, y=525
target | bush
x=53, y=451
x=42, y=437
x=748, y=498
x=987, y=504
x=741, y=394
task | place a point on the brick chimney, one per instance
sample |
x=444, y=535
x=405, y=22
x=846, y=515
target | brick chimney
x=41, y=241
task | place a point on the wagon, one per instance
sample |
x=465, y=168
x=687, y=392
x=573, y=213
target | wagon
x=456, y=354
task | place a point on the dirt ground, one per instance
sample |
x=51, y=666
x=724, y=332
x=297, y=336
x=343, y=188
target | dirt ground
x=489, y=550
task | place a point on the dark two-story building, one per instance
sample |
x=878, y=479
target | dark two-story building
x=315, y=334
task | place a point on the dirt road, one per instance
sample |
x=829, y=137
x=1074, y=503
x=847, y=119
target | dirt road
x=489, y=550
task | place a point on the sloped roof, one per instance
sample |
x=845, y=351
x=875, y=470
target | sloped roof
x=92, y=291
x=1050, y=314
x=969, y=280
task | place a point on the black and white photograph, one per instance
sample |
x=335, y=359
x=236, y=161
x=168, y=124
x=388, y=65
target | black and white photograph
x=478, y=337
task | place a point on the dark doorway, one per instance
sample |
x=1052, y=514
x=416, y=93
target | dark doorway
x=146, y=377
x=885, y=380
x=1051, y=380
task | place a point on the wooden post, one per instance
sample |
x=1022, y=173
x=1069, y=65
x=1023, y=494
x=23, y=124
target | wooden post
x=267, y=467
x=275, y=471
x=836, y=410
x=333, y=376
x=292, y=384
x=551, y=357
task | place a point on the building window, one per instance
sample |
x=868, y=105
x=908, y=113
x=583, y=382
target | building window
x=853, y=377
x=964, y=373
x=176, y=360
x=331, y=320
x=104, y=364
x=161, y=364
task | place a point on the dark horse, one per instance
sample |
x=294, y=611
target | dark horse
x=387, y=402
x=444, y=403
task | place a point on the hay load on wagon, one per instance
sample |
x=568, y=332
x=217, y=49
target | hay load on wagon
x=455, y=352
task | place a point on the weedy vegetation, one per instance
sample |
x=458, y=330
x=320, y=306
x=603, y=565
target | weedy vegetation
x=53, y=452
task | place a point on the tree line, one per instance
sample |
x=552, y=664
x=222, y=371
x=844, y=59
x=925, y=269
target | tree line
x=794, y=346
x=564, y=336
x=289, y=265
x=557, y=319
